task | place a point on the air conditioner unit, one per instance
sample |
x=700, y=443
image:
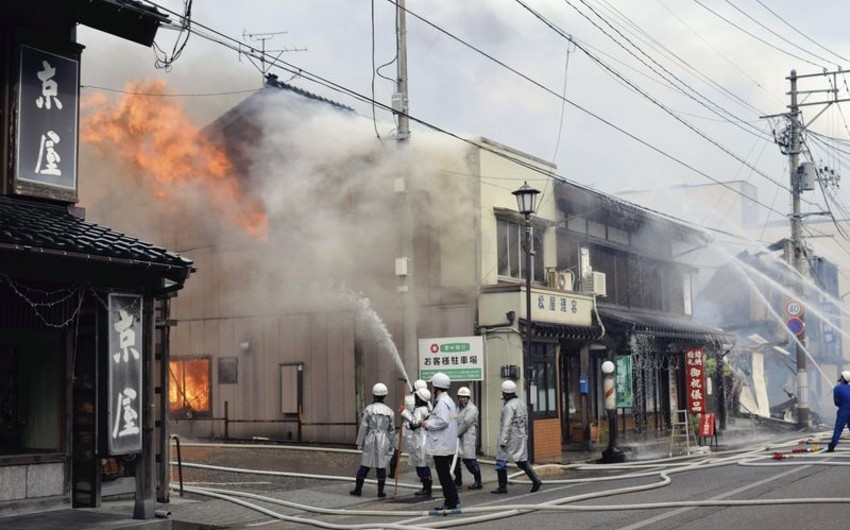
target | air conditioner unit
x=561, y=280
x=594, y=283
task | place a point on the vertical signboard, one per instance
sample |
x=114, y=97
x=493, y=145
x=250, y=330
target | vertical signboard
x=695, y=380
x=623, y=381
x=461, y=358
x=124, y=393
x=47, y=124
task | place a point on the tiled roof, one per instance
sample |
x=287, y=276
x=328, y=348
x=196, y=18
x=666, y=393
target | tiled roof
x=33, y=226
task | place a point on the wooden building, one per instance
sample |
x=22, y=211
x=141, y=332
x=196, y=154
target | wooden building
x=83, y=308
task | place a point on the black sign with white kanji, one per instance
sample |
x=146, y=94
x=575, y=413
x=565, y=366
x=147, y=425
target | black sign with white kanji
x=47, y=119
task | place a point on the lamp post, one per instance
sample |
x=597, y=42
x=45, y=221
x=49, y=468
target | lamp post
x=611, y=455
x=526, y=201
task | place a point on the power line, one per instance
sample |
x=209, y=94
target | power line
x=739, y=10
x=166, y=95
x=634, y=87
x=739, y=28
x=792, y=26
x=681, y=86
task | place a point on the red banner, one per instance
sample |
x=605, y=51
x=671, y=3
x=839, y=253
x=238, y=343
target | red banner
x=695, y=380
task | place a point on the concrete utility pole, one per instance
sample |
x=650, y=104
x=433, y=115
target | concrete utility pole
x=797, y=249
x=405, y=263
x=800, y=181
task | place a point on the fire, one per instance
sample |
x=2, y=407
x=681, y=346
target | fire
x=164, y=149
x=190, y=385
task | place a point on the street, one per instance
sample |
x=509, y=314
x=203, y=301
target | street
x=717, y=490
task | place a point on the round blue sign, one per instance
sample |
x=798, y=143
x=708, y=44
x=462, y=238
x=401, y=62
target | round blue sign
x=795, y=325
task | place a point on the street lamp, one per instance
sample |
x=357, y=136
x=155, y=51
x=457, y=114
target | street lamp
x=611, y=455
x=526, y=202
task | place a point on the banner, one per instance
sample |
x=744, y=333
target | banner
x=124, y=394
x=695, y=380
x=623, y=381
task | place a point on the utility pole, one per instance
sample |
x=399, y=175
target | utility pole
x=796, y=258
x=405, y=263
x=800, y=179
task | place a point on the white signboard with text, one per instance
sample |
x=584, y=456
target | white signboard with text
x=461, y=358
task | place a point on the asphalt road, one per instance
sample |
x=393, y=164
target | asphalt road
x=620, y=498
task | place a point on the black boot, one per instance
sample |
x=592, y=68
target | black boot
x=381, y=488
x=503, y=481
x=535, y=480
x=830, y=448
x=458, y=475
x=358, y=487
x=426, y=488
x=477, y=484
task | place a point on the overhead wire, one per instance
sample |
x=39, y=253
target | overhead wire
x=716, y=50
x=686, y=64
x=759, y=39
x=660, y=105
x=794, y=27
x=683, y=87
x=750, y=17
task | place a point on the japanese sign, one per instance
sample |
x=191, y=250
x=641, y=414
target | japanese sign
x=623, y=381
x=460, y=358
x=124, y=398
x=47, y=119
x=695, y=380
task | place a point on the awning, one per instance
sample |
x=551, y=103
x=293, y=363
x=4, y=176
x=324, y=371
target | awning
x=663, y=326
x=563, y=331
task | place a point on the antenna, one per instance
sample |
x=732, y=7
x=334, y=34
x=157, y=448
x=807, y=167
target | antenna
x=262, y=38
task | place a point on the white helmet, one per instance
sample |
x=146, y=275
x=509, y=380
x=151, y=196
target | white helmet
x=423, y=394
x=419, y=383
x=441, y=380
x=846, y=375
x=380, y=389
x=409, y=403
x=508, y=387
x=463, y=392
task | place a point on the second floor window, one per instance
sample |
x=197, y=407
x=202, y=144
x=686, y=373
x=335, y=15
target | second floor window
x=510, y=239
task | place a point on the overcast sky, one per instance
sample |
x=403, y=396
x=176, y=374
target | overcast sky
x=710, y=80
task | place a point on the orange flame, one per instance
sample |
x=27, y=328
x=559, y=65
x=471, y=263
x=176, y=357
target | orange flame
x=154, y=136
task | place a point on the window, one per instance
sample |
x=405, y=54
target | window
x=544, y=379
x=510, y=236
x=228, y=370
x=189, y=393
x=596, y=229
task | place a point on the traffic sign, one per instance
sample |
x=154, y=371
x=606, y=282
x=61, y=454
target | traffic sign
x=795, y=325
x=793, y=308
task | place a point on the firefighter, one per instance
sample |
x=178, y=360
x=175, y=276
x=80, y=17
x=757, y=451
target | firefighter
x=415, y=436
x=467, y=427
x=377, y=438
x=441, y=438
x=841, y=397
x=513, y=438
